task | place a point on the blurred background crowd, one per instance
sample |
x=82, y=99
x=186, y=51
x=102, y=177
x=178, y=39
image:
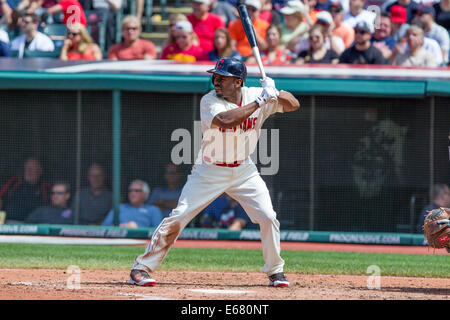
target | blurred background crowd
x=400, y=32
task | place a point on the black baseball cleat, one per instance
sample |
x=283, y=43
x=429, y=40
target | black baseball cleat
x=278, y=280
x=448, y=249
x=141, y=278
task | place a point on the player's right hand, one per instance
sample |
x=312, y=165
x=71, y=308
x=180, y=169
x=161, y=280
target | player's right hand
x=267, y=82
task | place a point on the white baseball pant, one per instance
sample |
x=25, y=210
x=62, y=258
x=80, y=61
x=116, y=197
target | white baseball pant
x=205, y=183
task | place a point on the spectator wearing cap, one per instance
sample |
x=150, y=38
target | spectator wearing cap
x=132, y=46
x=429, y=44
x=399, y=23
x=414, y=55
x=173, y=19
x=381, y=38
x=362, y=51
x=237, y=32
x=410, y=6
x=434, y=31
x=224, y=10
x=293, y=28
x=358, y=13
x=184, y=49
x=332, y=42
x=204, y=23
x=442, y=10
x=340, y=29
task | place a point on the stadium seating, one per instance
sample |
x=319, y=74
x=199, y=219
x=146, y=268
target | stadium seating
x=56, y=32
x=15, y=53
x=41, y=54
x=96, y=21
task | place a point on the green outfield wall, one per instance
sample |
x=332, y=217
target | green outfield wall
x=215, y=234
x=356, y=159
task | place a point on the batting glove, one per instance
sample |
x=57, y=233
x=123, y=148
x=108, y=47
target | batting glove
x=266, y=95
x=267, y=82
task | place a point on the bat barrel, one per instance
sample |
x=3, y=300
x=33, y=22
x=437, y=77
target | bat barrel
x=247, y=25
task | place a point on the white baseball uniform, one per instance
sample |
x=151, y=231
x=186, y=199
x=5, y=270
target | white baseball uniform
x=223, y=165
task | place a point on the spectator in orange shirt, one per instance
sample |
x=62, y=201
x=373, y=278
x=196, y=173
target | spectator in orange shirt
x=340, y=29
x=184, y=49
x=132, y=47
x=78, y=45
x=204, y=23
x=237, y=32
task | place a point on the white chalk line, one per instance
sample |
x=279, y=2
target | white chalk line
x=220, y=291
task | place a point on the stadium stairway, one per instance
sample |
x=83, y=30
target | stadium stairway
x=155, y=20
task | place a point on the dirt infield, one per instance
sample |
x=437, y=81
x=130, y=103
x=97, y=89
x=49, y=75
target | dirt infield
x=43, y=284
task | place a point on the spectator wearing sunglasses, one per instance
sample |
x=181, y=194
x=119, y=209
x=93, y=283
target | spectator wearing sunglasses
x=79, y=45
x=317, y=52
x=31, y=39
x=341, y=29
x=58, y=212
x=362, y=52
x=132, y=47
x=184, y=48
x=136, y=213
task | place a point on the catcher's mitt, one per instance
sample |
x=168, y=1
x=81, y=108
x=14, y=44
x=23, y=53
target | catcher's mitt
x=436, y=228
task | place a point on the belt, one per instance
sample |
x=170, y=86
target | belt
x=223, y=164
x=230, y=165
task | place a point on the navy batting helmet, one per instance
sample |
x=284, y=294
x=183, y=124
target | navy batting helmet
x=230, y=67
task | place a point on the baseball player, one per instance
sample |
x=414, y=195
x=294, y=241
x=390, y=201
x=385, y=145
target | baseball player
x=231, y=118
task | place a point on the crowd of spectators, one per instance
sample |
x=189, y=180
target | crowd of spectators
x=402, y=32
x=28, y=198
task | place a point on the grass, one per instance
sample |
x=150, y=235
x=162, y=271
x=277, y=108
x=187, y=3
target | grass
x=308, y=262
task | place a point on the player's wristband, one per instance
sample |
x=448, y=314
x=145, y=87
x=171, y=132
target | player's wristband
x=260, y=101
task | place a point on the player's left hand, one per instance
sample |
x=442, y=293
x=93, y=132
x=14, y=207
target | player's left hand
x=267, y=82
x=266, y=95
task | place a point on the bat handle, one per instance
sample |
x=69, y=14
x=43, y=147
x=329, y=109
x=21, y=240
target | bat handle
x=257, y=56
